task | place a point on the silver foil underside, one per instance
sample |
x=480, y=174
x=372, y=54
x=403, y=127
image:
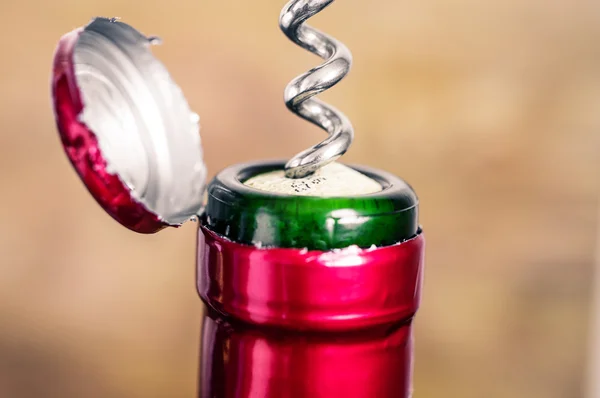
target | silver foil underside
x=145, y=129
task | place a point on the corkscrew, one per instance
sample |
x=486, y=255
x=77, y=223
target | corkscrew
x=300, y=92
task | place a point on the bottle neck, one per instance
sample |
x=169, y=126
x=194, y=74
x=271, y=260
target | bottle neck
x=244, y=362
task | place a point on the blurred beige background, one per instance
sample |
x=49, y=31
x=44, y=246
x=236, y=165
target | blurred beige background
x=491, y=110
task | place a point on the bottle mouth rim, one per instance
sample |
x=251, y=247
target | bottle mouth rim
x=238, y=174
x=252, y=216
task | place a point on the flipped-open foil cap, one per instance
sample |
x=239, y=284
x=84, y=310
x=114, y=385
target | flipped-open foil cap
x=126, y=127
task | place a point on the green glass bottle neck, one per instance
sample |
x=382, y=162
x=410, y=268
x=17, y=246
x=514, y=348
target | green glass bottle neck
x=250, y=216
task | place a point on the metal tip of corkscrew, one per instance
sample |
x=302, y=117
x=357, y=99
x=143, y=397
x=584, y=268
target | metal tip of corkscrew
x=300, y=92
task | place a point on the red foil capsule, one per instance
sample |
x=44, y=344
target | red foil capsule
x=126, y=127
x=81, y=147
x=298, y=324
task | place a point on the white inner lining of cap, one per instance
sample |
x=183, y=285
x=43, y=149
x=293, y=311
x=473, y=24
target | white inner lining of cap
x=146, y=131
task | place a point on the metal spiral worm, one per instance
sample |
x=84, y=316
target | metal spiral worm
x=299, y=93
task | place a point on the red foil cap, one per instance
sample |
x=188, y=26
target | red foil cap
x=126, y=128
x=344, y=289
x=81, y=147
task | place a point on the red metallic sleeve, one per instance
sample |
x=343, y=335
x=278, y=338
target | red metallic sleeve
x=295, y=323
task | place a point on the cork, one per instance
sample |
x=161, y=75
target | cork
x=332, y=180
